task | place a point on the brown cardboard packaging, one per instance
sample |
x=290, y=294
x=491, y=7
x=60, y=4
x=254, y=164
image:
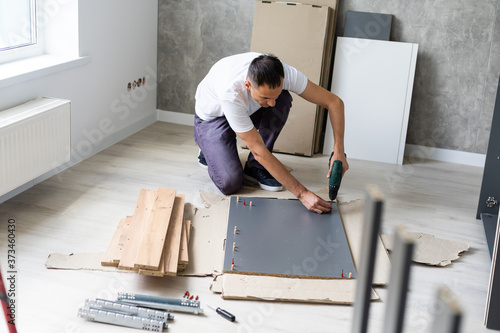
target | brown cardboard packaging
x=302, y=36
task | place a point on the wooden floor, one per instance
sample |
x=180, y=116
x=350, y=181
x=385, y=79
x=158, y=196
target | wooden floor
x=78, y=210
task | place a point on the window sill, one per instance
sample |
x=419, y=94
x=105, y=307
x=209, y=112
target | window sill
x=32, y=68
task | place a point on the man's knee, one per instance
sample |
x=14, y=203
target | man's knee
x=230, y=184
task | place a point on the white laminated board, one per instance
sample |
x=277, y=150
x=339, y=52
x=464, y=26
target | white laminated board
x=375, y=80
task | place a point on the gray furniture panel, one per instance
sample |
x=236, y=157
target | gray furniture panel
x=490, y=187
x=487, y=210
x=282, y=238
x=490, y=227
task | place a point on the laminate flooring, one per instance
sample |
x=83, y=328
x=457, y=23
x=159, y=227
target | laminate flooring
x=78, y=210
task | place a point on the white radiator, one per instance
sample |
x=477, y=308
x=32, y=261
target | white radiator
x=34, y=138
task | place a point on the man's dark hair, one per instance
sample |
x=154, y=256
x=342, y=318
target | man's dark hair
x=266, y=69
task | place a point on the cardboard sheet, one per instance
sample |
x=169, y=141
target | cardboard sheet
x=271, y=288
x=80, y=261
x=430, y=250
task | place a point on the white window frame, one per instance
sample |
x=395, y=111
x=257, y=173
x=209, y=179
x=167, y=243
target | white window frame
x=57, y=24
x=34, y=49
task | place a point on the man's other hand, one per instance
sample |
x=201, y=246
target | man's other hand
x=314, y=203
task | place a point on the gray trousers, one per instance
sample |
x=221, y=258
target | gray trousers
x=217, y=141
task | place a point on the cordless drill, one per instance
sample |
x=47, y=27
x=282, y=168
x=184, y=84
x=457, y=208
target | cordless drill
x=335, y=178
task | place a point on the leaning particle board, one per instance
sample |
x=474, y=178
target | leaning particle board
x=172, y=245
x=327, y=64
x=296, y=34
x=294, y=241
x=154, y=236
x=271, y=288
x=113, y=253
x=137, y=225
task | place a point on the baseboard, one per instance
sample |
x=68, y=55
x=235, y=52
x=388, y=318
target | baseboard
x=77, y=157
x=445, y=155
x=175, y=117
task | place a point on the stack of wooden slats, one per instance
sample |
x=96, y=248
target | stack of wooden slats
x=154, y=241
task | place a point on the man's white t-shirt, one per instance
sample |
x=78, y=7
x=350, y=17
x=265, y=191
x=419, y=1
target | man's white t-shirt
x=223, y=93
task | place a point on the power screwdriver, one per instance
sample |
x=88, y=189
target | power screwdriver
x=335, y=178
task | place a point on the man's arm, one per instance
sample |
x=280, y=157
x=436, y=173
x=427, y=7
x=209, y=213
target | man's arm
x=320, y=96
x=254, y=142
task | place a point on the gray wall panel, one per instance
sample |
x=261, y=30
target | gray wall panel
x=192, y=36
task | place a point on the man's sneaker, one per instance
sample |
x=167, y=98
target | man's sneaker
x=263, y=178
x=201, y=160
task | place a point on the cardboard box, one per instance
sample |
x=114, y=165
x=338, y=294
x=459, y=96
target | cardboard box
x=321, y=118
x=297, y=34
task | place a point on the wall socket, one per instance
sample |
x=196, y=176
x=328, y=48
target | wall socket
x=136, y=83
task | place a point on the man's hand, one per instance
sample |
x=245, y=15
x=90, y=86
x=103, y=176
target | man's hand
x=314, y=203
x=340, y=157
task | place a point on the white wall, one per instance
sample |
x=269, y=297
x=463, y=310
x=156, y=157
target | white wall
x=120, y=36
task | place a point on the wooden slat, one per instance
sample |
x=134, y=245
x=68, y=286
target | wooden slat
x=190, y=225
x=153, y=272
x=154, y=236
x=123, y=239
x=161, y=271
x=115, y=248
x=172, y=245
x=137, y=227
x=184, y=253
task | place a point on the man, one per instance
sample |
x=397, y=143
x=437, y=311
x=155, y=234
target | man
x=247, y=95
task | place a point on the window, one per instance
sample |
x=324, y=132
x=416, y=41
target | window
x=19, y=35
x=37, y=37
